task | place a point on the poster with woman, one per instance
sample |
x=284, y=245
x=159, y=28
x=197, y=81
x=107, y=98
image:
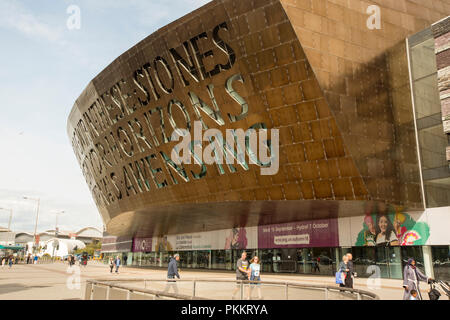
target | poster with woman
x=385, y=225
x=236, y=239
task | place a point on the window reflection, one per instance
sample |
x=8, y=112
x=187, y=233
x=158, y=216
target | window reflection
x=432, y=139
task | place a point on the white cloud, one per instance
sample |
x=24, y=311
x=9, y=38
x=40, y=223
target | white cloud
x=37, y=167
x=43, y=81
x=14, y=16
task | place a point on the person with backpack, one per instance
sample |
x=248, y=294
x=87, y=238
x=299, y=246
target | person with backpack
x=411, y=278
x=172, y=272
x=255, y=275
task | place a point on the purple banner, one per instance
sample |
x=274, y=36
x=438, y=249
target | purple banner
x=312, y=233
x=142, y=244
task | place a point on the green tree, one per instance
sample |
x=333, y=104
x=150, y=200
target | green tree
x=90, y=248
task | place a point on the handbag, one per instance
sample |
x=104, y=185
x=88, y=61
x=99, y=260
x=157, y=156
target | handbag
x=339, y=277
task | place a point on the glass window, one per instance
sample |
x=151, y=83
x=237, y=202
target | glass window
x=383, y=261
x=203, y=258
x=323, y=261
x=441, y=262
x=218, y=260
x=363, y=258
x=266, y=260
x=413, y=252
x=432, y=139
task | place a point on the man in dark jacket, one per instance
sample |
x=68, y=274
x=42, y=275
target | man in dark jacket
x=172, y=271
x=349, y=278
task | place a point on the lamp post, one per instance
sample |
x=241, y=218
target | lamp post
x=57, y=213
x=37, y=215
x=56, y=222
x=10, y=217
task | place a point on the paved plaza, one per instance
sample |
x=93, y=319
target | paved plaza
x=54, y=282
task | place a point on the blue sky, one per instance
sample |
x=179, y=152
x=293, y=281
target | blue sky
x=44, y=67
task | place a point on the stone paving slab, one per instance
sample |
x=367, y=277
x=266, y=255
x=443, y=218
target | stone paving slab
x=49, y=282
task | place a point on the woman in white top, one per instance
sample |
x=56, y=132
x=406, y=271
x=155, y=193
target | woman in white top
x=255, y=275
x=385, y=231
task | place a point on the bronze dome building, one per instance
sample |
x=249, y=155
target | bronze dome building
x=362, y=136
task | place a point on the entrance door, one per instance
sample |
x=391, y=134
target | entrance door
x=288, y=261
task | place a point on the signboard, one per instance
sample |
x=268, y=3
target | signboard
x=387, y=226
x=311, y=233
x=235, y=238
x=142, y=245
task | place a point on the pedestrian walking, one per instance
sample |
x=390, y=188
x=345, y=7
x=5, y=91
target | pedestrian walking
x=111, y=264
x=343, y=270
x=241, y=272
x=255, y=275
x=35, y=259
x=3, y=261
x=350, y=273
x=117, y=264
x=125, y=258
x=316, y=264
x=172, y=272
x=411, y=278
x=11, y=260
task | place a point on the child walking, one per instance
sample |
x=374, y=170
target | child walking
x=255, y=275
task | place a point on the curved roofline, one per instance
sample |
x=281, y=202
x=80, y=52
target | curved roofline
x=87, y=228
x=27, y=233
x=125, y=53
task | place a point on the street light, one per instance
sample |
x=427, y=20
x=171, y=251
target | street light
x=57, y=213
x=37, y=214
x=10, y=216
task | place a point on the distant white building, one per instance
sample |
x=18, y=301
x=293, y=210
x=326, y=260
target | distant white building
x=86, y=235
x=7, y=238
x=61, y=247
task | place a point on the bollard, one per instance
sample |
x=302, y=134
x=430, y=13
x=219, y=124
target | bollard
x=286, y=291
x=242, y=290
x=193, y=289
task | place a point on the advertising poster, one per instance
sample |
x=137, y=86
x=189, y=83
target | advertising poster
x=236, y=238
x=438, y=220
x=312, y=233
x=142, y=244
x=389, y=226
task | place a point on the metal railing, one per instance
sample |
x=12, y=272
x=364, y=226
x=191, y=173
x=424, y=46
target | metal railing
x=195, y=289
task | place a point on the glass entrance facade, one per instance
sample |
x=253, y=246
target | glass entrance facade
x=386, y=262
